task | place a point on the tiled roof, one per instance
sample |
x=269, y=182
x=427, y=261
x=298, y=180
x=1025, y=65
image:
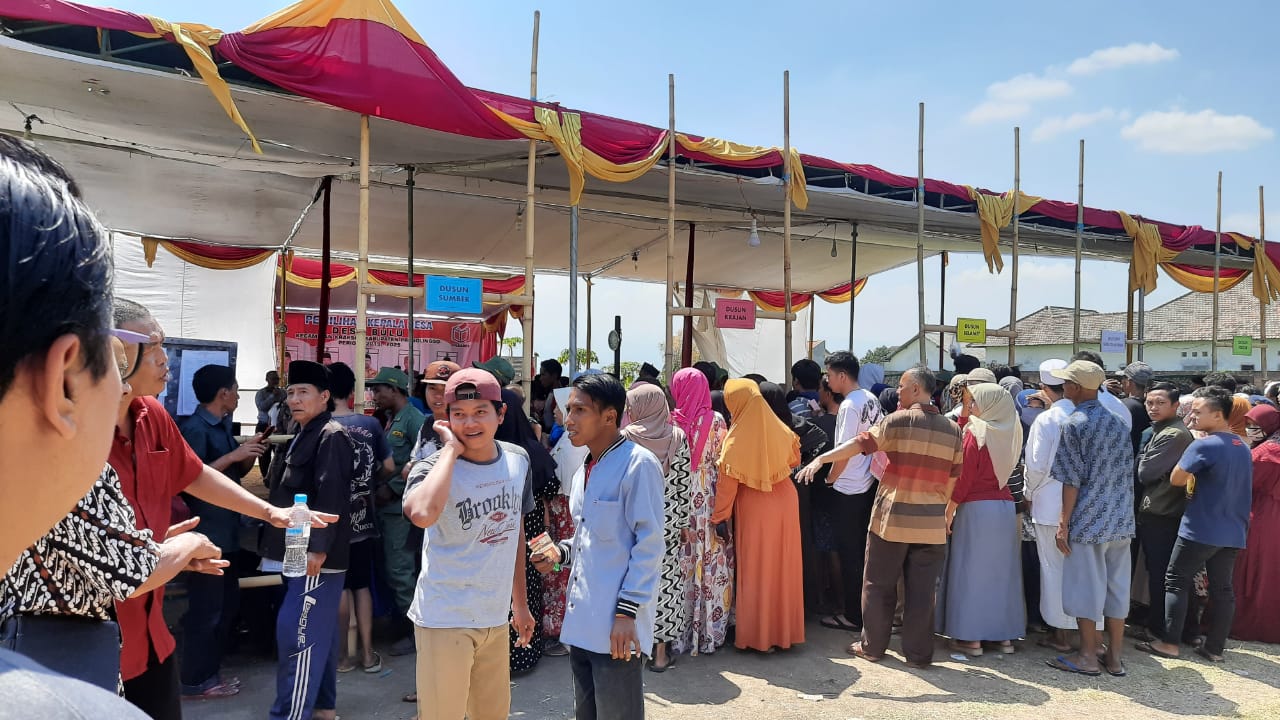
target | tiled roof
x=1183, y=319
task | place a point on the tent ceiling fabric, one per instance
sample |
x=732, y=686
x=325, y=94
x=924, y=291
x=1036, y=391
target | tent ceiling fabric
x=182, y=171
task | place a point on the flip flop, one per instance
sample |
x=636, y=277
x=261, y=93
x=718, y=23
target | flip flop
x=1147, y=647
x=376, y=667
x=410, y=698
x=838, y=622
x=1062, y=664
x=1209, y=656
x=972, y=652
x=1122, y=673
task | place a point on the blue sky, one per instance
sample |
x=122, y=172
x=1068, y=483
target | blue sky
x=1165, y=95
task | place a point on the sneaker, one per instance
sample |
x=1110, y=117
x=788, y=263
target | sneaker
x=403, y=646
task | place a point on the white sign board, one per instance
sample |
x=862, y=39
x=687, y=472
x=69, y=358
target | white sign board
x=193, y=360
x=1113, y=341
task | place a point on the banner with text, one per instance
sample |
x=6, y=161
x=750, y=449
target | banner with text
x=386, y=341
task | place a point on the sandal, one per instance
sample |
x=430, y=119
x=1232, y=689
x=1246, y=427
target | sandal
x=410, y=698
x=1122, y=672
x=1209, y=656
x=839, y=622
x=346, y=666
x=972, y=652
x=1147, y=647
x=376, y=667
x=1047, y=643
x=857, y=650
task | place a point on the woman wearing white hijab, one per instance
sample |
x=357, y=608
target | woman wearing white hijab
x=981, y=598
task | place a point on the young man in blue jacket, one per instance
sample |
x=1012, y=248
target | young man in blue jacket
x=613, y=559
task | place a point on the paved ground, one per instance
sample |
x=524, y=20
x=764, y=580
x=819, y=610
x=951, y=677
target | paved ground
x=817, y=680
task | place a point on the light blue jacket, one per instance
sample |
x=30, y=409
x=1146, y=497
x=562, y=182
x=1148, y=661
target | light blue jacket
x=615, y=557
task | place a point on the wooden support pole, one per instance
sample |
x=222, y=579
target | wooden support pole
x=409, y=182
x=853, y=280
x=1261, y=247
x=574, y=360
x=786, y=222
x=282, y=327
x=920, y=234
x=526, y=317
x=362, y=264
x=1075, y=318
x=686, y=347
x=1017, y=192
x=1217, y=277
x=589, y=284
x=668, y=345
x=326, y=265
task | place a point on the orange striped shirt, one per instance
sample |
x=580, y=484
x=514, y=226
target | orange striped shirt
x=925, y=454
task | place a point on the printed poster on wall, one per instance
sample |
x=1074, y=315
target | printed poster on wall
x=386, y=340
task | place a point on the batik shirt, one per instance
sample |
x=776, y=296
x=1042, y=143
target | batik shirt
x=1095, y=455
x=92, y=558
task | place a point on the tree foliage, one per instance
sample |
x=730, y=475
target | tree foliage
x=585, y=357
x=879, y=355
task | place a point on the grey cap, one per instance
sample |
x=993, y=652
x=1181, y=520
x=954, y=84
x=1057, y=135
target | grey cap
x=1139, y=372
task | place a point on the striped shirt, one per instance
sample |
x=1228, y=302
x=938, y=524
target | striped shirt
x=925, y=454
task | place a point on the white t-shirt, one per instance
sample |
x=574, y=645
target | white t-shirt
x=470, y=553
x=859, y=412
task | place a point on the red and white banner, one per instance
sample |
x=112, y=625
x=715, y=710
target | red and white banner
x=386, y=340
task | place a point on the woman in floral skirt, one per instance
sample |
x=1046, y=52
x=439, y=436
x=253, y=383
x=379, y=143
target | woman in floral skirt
x=708, y=560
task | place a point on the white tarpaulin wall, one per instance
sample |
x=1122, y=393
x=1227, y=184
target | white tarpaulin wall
x=743, y=352
x=200, y=304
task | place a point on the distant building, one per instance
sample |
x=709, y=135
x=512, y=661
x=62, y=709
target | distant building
x=1176, y=335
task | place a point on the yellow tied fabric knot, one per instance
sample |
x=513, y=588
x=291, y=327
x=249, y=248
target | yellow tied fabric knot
x=196, y=40
x=1266, y=277
x=565, y=132
x=995, y=212
x=149, y=247
x=1149, y=253
x=737, y=152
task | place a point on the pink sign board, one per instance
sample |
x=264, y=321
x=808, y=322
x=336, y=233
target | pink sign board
x=735, y=314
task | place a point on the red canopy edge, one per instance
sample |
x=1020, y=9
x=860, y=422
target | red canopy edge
x=322, y=63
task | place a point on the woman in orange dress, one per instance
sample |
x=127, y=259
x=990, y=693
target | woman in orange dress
x=756, y=490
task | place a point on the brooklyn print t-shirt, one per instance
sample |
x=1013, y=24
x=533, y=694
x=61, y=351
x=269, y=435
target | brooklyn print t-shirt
x=470, y=553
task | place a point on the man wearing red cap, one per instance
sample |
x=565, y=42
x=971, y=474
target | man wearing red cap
x=470, y=497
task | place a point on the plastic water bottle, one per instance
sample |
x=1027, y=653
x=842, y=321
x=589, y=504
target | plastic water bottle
x=296, y=538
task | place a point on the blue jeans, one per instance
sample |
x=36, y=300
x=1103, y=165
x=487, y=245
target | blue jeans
x=1220, y=563
x=604, y=688
x=212, y=604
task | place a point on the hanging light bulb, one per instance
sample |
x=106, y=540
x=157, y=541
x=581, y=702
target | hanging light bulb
x=753, y=240
x=833, y=247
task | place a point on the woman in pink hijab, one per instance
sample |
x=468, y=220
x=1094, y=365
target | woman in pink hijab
x=706, y=559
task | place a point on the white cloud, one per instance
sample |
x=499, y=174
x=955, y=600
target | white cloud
x=1120, y=56
x=1055, y=126
x=1012, y=98
x=1178, y=132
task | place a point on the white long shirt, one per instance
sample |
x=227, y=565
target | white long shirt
x=1042, y=444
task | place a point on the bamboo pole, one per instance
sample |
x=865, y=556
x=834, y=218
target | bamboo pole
x=667, y=343
x=1142, y=322
x=786, y=221
x=812, y=301
x=409, y=365
x=526, y=317
x=1075, y=324
x=1217, y=276
x=282, y=328
x=326, y=266
x=942, y=306
x=1128, y=329
x=362, y=264
x=1013, y=286
x=920, y=235
x=1261, y=247
x=686, y=346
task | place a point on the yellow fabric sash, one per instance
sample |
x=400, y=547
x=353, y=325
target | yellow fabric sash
x=996, y=212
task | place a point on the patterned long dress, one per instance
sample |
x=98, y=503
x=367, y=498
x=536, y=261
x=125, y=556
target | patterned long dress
x=556, y=585
x=707, y=561
x=672, y=609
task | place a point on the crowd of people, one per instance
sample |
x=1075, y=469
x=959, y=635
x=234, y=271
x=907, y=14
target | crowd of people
x=626, y=528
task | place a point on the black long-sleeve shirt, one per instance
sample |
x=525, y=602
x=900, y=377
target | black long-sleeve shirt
x=321, y=464
x=1168, y=440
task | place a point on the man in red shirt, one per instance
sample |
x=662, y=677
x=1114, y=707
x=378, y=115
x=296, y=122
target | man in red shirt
x=155, y=464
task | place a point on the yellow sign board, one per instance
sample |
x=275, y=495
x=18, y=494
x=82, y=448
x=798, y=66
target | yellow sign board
x=971, y=330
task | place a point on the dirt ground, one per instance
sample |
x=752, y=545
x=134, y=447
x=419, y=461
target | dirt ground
x=817, y=680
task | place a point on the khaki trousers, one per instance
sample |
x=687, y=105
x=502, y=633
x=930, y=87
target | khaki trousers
x=463, y=672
